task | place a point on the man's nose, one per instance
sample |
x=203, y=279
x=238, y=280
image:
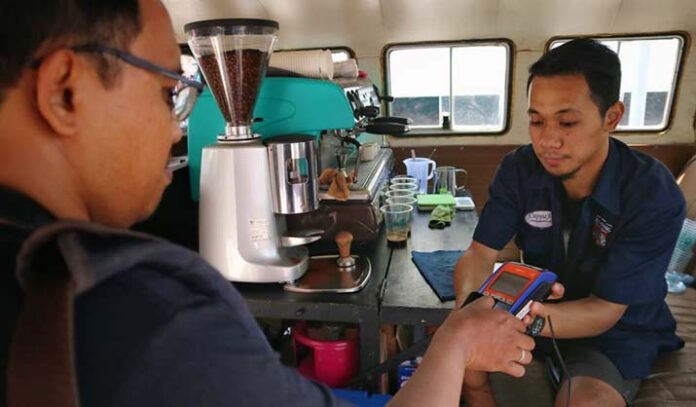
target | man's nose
x=550, y=137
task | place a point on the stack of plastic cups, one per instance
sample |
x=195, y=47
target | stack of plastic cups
x=404, y=183
x=398, y=211
x=398, y=182
x=398, y=188
x=404, y=179
x=403, y=199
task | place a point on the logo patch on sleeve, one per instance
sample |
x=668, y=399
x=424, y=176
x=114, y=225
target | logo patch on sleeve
x=539, y=219
x=601, y=231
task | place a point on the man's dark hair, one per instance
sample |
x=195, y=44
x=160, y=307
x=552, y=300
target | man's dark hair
x=598, y=64
x=29, y=29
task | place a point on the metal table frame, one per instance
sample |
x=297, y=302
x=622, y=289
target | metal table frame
x=362, y=308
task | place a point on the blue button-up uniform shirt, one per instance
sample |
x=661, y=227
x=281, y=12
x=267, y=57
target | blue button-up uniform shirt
x=618, y=250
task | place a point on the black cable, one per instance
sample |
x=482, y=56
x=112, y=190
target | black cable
x=560, y=358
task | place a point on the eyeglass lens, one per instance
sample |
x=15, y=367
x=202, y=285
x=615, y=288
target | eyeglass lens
x=184, y=101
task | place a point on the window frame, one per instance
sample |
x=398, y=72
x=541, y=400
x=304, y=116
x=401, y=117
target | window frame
x=438, y=131
x=682, y=55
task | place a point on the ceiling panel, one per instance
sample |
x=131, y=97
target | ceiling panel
x=530, y=23
x=408, y=20
x=368, y=25
x=662, y=15
x=185, y=11
x=310, y=23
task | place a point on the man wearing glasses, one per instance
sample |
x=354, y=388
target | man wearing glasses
x=90, y=104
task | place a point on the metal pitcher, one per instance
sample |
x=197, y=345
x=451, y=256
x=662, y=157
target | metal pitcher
x=446, y=180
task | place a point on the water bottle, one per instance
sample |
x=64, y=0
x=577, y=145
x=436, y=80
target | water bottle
x=675, y=285
x=677, y=280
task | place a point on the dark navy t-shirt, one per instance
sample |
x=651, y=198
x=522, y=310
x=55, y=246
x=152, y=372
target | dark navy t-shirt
x=617, y=249
x=166, y=330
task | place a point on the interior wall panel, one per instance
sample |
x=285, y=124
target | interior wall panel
x=481, y=162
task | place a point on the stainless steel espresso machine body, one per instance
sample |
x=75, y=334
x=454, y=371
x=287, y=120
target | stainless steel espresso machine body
x=359, y=212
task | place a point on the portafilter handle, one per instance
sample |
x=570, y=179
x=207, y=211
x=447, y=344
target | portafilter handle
x=343, y=241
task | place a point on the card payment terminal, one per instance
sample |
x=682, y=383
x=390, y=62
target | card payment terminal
x=514, y=286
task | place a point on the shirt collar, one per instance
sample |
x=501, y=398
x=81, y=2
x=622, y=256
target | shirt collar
x=21, y=210
x=606, y=192
x=539, y=178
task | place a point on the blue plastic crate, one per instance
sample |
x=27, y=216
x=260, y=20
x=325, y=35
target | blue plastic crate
x=362, y=398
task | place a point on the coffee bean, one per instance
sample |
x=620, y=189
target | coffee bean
x=245, y=69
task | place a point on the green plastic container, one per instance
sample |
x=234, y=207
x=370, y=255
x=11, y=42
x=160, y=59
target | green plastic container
x=284, y=106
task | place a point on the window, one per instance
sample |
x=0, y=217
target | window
x=461, y=86
x=649, y=73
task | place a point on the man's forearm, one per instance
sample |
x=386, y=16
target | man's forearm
x=582, y=318
x=469, y=273
x=437, y=381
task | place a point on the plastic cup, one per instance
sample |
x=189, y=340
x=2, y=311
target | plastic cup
x=311, y=63
x=397, y=218
x=403, y=179
x=400, y=192
x=406, y=186
x=403, y=200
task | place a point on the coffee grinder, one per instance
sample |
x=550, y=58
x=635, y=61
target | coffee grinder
x=242, y=230
x=248, y=186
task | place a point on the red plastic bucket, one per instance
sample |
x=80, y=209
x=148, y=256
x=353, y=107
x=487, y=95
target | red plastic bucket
x=333, y=362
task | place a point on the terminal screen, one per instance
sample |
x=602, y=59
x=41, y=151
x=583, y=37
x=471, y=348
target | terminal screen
x=509, y=284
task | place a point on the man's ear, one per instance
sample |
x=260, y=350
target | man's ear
x=56, y=84
x=613, y=116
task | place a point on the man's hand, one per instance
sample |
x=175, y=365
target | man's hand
x=493, y=340
x=537, y=309
x=557, y=291
x=474, y=337
x=472, y=269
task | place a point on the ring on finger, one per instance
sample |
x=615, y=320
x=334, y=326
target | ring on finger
x=522, y=356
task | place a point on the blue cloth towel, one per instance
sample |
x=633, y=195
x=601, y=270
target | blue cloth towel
x=438, y=268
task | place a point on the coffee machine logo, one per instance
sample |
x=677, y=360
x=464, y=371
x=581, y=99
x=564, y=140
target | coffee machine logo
x=259, y=229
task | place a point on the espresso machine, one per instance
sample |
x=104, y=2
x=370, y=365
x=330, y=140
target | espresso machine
x=248, y=187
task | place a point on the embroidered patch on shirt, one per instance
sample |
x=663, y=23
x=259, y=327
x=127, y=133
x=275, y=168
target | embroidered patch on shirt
x=601, y=230
x=539, y=219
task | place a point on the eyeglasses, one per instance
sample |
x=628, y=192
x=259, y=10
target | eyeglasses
x=183, y=95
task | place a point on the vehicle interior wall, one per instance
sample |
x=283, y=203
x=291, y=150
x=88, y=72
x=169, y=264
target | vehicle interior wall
x=368, y=26
x=481, y=161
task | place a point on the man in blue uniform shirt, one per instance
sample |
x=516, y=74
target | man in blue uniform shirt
x=603, y=217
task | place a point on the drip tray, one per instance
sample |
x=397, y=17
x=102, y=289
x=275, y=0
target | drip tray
x=324, y=276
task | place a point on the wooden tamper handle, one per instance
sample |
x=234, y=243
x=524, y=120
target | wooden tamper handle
x=343, y=241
